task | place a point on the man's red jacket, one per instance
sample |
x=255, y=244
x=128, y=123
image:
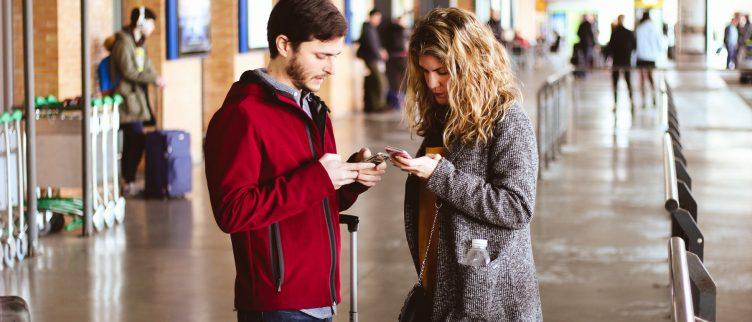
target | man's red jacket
x=269, y=192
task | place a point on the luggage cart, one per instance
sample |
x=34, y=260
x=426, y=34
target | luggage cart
x=98, y=202
x=105, y=130
x=10, y=238
x=21, y=228
x=115, y=155
x=109, y=205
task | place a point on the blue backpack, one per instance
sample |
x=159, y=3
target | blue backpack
x=107, y=81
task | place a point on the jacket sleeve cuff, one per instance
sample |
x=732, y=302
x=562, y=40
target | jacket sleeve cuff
x=438, y=182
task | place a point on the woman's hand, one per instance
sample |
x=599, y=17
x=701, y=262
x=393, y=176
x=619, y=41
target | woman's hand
x=422, y=167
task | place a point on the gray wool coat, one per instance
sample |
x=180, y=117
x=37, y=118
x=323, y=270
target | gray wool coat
x=487, y=192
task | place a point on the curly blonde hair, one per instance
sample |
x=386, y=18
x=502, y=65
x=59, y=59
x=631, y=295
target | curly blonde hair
x=481, y=88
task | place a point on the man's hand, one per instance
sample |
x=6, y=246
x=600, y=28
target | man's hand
x=372, y=176
x=161, y=83
x=422, y=167
x=342, y=173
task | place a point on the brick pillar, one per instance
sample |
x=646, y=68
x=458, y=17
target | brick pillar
x=57, y=45
x=45, y=48
x=219, y=65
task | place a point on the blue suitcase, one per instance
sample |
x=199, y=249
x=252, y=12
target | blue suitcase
x=169, y=169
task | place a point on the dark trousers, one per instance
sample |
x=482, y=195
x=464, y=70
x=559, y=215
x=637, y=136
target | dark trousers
x=277, y=316
x=395, y=73
x=133, y=149
x=731, y=60
x=615, y=81
x=374, y=88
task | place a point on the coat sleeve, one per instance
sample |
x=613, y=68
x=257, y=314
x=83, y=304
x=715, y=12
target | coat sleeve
x=240, y=200
x=126, y=65
x=507, y=198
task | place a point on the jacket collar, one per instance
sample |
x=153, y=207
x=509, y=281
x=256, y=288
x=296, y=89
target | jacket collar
x=281, y=91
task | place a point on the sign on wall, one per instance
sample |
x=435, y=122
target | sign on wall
x=188, y=25
x=253, y=17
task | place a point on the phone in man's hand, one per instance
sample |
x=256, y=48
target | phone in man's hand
x=378, y=158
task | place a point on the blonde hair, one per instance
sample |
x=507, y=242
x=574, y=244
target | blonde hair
x=481, y=88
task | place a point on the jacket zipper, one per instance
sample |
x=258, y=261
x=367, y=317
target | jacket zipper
x=329, y=225
x=277, y=257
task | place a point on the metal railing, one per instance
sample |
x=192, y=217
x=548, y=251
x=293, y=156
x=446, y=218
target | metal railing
x=692, y=288
x=554, y=105
x=693, y=291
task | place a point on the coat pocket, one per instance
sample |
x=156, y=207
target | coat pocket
x=480, y=290
x=132, y=104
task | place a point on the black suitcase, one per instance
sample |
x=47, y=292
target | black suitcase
x=169, y=168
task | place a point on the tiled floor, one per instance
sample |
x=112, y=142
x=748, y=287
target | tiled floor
x=600, y=232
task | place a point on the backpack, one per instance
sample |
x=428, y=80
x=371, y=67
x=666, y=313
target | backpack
x=108, y=81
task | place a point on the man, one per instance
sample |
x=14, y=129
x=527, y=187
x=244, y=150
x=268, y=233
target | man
x=130, y=63
x=620, y=47
x=587, y=41
x=374, y=55
x=495, y=24
x=274, y=181
x=745, y=31
x=396, y=38
x=731, y=41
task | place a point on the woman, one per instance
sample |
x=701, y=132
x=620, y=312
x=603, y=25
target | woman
x=649, y=48
x=478, y=161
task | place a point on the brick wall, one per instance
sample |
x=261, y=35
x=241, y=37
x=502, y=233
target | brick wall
x=57, y=45
x=45, y=48
x=219, y=66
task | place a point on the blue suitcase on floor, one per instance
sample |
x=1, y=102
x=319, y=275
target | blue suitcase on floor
x=169, y=168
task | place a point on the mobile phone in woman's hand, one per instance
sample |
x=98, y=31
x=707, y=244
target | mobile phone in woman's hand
x=394, y=152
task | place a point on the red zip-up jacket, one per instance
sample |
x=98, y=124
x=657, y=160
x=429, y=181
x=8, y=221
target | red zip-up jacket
x=269, y=192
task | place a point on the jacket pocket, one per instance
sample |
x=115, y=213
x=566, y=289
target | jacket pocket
x=480, y=290
x=132, y=104
x=277, y=257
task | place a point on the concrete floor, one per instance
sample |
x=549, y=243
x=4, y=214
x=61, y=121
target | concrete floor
x=600, y=233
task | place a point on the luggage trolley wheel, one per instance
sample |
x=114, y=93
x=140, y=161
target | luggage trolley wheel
x=98, y=218
x=120, y=210
x=9, y=250
x=21, y=248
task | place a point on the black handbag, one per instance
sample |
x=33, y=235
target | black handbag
x=417, y=306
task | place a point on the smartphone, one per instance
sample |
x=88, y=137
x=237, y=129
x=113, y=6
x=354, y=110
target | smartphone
x=394, y=152
x=378, y=158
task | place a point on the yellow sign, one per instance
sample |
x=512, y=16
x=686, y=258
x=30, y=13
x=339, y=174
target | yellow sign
x=540, y=5
x=648, y=4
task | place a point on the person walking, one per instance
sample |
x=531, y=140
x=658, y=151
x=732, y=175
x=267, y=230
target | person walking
x=374, y=55
x=494, y=22
x=275, y=182
x=731, y=42
x=587, y=41
x=474, y=176
x=649, y=49
x=396, y=46
x=132, y=65
x=620, y=48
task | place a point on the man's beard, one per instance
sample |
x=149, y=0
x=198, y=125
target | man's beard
x=297, y=74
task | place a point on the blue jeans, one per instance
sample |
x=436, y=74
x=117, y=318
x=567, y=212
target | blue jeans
x=278, y=316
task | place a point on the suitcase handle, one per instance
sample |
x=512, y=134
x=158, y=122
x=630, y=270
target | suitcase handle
x=350, y=221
